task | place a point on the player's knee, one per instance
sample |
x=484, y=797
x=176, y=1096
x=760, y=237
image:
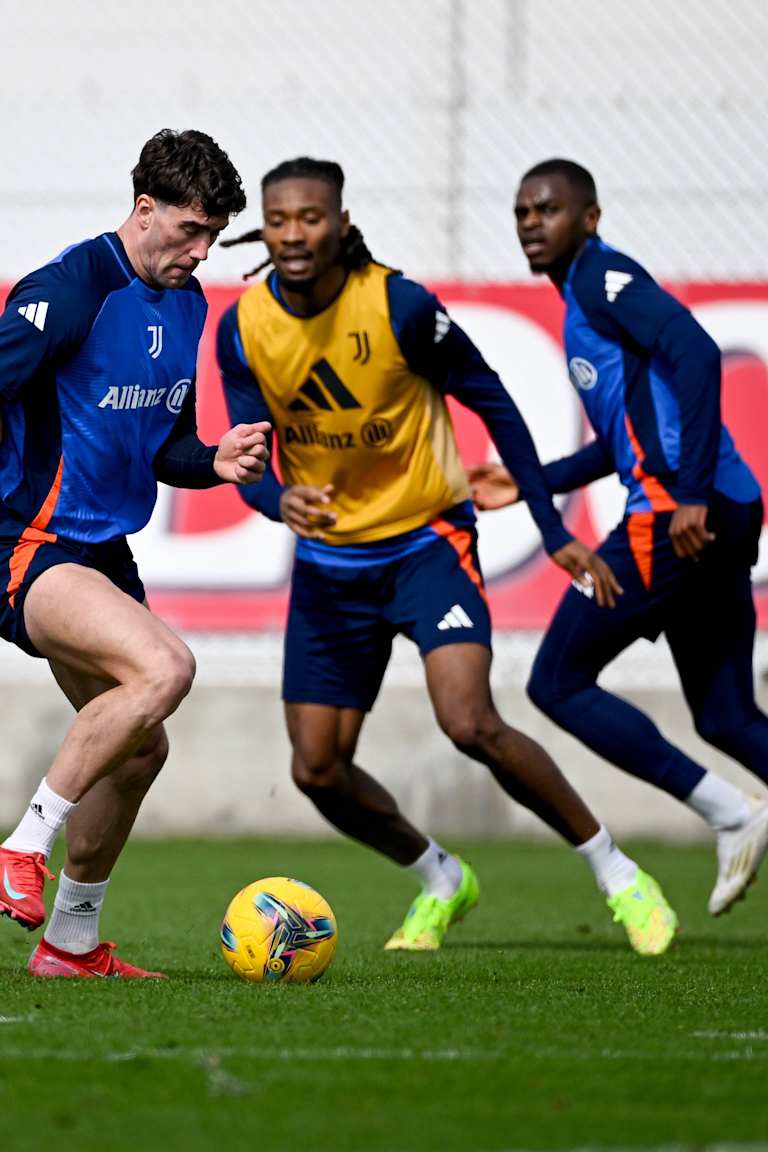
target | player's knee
x=472, y=727
x=543, y=691
x=318, y=770
x=167, y=680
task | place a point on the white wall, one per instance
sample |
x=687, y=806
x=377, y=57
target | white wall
x=228, y=772
x=434, y=109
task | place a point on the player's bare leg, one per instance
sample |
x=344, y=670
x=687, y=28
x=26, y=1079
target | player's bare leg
x=458, y=679
x=96, y=832
x=324, y=740
x=82, y=622
x=99, y=826
x=75, y=616
x=459, y=686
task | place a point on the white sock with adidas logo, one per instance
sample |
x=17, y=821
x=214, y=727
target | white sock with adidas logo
x=612, y=870
x=439, y=872
x=39, y=826
x=74, y=923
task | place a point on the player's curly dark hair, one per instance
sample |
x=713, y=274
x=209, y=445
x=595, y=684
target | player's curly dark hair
x=354, y=251
x=578, y=177
x=181, y=168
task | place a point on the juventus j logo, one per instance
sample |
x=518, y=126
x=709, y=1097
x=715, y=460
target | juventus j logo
x=362, y=346
x=156, y=343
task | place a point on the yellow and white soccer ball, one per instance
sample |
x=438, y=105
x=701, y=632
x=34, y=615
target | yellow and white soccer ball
x=278, y=931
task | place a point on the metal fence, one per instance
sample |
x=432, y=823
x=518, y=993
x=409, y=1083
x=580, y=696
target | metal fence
x=434, y=108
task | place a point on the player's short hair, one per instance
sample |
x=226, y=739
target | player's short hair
x=183, y=167
x=578, y=177
x=354, y=250
x=304, y=167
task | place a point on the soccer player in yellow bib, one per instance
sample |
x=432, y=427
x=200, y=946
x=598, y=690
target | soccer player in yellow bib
x=351, y=363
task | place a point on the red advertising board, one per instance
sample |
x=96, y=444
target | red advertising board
x=210, y=563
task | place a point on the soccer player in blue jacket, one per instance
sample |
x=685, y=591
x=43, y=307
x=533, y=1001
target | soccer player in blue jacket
x=97, y=399
x=352, y=363
x=648, y=376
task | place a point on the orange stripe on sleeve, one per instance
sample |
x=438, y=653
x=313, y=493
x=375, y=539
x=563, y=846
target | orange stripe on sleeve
x=659, y=498
x=33, y=536
x=461, y=541
x=640, y=533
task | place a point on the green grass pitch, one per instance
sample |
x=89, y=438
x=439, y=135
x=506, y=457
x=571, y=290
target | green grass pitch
x=534, y=1028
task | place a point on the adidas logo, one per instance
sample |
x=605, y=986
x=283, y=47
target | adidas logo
x=455, y=617
x=614, y=282
x=587, y=589
x=311, y=395
x=35, y=313
x=38, y=810
x=442, y=324
x=85, y=907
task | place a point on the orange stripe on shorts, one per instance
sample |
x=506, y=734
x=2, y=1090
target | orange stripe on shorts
x=640, y=532
x=461, y=541
x=33, y=536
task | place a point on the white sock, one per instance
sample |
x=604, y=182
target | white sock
x=38, y=827
x=439, y=872
x=74, y=922
x=721, y=804
x=613, y=870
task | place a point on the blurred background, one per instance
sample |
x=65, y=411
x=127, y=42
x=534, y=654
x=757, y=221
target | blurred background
x=434, y=109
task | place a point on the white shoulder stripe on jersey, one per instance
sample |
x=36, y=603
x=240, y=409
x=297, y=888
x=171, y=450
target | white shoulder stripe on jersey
x=614, y=282
x=35, y=313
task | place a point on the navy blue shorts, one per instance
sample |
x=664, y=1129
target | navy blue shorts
x=342, y=620
x=23, y=558
x=703, y=606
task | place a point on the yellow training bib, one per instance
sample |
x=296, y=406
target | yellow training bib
x=350, y=412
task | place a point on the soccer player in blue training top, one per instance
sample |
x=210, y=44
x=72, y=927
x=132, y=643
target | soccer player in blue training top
x=97, y=370
x=353, y=362
x=648, y=376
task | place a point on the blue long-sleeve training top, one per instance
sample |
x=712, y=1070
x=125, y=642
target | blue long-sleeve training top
x=97, y=395
x=649, y=378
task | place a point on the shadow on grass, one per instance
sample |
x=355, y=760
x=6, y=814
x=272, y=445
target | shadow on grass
x=740, y=944
x=536, y=946
x=684, y=942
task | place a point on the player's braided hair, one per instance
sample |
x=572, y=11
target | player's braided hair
x=354, y=251
x=577, y=176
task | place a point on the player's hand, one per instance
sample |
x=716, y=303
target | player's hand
x=242, y=453
x=492, y=486
x=590, y=571
x=688, y=530
x=305, y=510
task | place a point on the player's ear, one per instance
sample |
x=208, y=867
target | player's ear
x=345, y=224
x=143, y=210
x=591, y=219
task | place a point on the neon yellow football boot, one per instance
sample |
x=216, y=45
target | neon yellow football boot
x=429, y=918
x=643, y=910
